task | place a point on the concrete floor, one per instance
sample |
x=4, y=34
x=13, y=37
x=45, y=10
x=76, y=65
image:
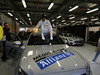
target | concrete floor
x=88, y=51
x=8, y=68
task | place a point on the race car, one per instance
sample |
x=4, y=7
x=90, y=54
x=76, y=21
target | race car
x=71, y=39
x=51, y=57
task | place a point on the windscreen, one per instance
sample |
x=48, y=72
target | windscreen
x=37, y=40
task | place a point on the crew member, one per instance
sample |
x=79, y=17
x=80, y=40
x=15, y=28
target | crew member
x=6, y=30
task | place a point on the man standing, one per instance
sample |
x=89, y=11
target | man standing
x=98, y=52
x=6, y=30
x=97, y=38
x=45, y=27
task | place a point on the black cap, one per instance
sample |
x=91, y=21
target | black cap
x=43, y=16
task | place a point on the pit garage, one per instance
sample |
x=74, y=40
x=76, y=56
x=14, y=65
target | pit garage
x=74, y=23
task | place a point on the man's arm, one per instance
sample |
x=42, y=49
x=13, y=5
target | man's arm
x=39, y=23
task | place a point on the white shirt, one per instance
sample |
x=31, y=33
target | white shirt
x=45, y=23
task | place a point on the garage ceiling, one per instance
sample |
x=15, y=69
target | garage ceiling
x=35, y=8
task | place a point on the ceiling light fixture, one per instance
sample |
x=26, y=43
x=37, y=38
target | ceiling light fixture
x=59, y=16
x=92, y=10
x=10, y=14
x=30, y=22
x=72, y=21
x=24, y=3
x=29, y=19
x=63, y=21
x=72, y=17
x=28, y=15
x=20, y=21
x=94, y=19
x=51, y=5
x=93, y=5
x=53, y=20
x=73, y=8
x=16, y=18
x=84, y=18
x=97, y=23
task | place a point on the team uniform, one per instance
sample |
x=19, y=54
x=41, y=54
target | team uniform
x=45, y=28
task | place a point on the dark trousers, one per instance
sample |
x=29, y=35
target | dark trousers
x=4, y=50
x=97, y=54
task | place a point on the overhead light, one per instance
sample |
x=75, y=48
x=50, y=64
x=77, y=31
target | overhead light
x=59, y=24
x=51, y=5
x=24, y=3
x=53, y=20
x=93, y=5
x=94, y=19
x=63, y=21
x=72, y=21
x=72, y=17
x=20, y=21
x=28, y=15
x=10, y=14
x=84, y=18
x=30, y=22
x=16, y=18
x=73, y=8
x=97, y=23
x=67, y=24
x=26, y=23
x=59, y=16
x=29, y=19
x=92, y=10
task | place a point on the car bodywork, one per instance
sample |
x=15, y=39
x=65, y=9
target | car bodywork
x=71, y=40
x=51, y=59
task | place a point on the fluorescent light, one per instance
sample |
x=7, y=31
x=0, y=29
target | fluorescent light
x=16, y=18
x=29, y=19
x=28, y=15
x=53, y=20
x=59, y=16
x=10, y=14
x=84, y=18
x=24, y=3
x=50, y=6
x=20, y=21
x=94, y=19
x=93, y=5
x=73, y=8
x=63, y=21
x=92, y=10
x=97, y=23
x=72, y=21
x=30, y=22
x=72, y=17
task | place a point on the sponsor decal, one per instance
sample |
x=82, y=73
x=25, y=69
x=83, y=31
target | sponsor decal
x=51, y=58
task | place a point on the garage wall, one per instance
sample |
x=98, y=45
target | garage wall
x=92, y=34
x=94, y=28
x=12, y=23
